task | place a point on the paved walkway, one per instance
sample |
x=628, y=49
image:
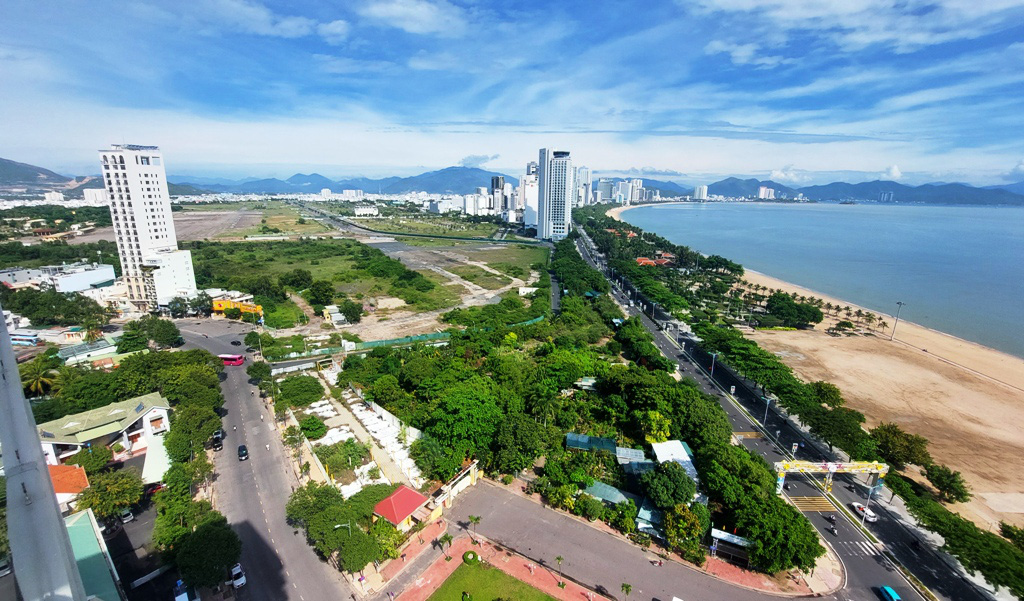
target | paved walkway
x=511, y=563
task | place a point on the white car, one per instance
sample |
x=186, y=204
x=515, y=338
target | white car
x=867, y=514
x=237, y=576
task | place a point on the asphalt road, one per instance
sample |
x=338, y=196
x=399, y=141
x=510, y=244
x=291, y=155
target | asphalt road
x=252, y=494
x=865, y=565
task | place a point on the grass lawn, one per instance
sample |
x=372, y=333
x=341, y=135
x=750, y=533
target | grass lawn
x=484, y=279
x=485, y=583
x=284, y=315
x=522, y=255
x=277, y=215
x=220, y=206
x=432, y=226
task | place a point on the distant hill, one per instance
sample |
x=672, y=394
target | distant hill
x=184, y=190
x=739, y=188
x=960, y=194
x=12, y=172
x=452, y=180
x=1017, y=188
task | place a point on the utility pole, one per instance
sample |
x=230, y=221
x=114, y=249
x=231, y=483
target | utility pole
x=45, y=562
x=898, y=309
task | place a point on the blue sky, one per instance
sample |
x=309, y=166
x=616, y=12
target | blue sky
x=802, y=91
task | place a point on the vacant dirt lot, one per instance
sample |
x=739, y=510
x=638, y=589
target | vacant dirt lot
x=199, y=225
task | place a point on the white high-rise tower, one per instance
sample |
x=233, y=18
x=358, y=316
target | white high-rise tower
x=557, y=191
x=153, y=268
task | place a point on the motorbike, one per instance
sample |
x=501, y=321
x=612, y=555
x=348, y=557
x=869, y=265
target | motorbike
x=831, y=518
x=834, y=531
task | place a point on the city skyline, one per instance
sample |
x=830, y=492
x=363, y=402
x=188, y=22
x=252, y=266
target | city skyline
x=677, y=91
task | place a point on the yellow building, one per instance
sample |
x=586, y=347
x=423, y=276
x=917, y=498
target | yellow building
x=219, y=306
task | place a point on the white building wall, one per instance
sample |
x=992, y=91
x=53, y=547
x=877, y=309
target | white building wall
x=529, y=197
x=700, y=193
x=85, y=279
x=556, y=180
x=141, y=210
x=172, y=275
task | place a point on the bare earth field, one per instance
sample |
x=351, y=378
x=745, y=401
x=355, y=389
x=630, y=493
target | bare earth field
x=198, y=225
x=968, y=400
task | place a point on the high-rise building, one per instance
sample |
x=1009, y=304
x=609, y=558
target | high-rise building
x=556, y=194
x=531, y=168
x=583, y=186
x=528, y=197
x=765, y=193
x=153, y=268
x=700, y=193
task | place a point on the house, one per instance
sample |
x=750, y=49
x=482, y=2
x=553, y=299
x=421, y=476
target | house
x=88, y=351
x=334, y=316
x=642, y=261
x=68, y=482
x=680, y=452
x=400, y=507
x=133, y=423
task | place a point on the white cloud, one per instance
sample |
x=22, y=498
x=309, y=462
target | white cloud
x=343, y=65
x=743, y=54
x=335, y=32
x=790, y=174
x=1017, y=173
x=893, y=173
x=478, y=160
x=252, y=17
x=417, y=16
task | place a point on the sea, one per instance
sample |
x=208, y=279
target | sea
x=959, y=270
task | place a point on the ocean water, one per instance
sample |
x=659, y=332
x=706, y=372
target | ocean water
x=960, y=270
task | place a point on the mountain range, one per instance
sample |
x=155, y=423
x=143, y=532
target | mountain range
x=465, y=180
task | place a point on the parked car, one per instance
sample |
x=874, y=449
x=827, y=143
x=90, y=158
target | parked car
x=237, y=576
x=217, y=444
x=243, y=452
x=219, y=434
x=888, y=594
x=152, y=489
x=864, y=512
x=236, y=343
x=5, y=566
x=126, y=515
x=111, y=527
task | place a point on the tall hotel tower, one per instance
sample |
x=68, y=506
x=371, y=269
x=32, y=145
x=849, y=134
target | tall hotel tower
x=557, y=191
x=153, y=268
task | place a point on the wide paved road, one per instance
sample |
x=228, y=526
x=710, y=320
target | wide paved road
x=867, y=568
x=252, y=494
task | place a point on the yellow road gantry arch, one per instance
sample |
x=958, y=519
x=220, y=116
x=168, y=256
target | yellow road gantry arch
x=877, y=469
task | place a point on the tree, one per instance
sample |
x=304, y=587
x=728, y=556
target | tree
x=133, y=338
x=161, y=331
x=301, y=391
x=297, y=279
x=826, y=393
x=445, y=539
x=352, y=311
x=233, y=313
x=668, y=485
x=781, y=538
x=259, y=371
x=321, y=292
x=252, y=338
x=206, y=555
x=110, y=492
x=519, y=442
x=559, y=559
x=475, y=521
x=627, y=589
x=178, y=307
x=192, y=425
x=202, y=304
x=313, y=427
x=92, y=458
x=388, y=539
x=310, y=500
x=950, y=484
x=898, y=448
x=655, y=426
x=683, y=531
x=36, y=376
x=91, y=325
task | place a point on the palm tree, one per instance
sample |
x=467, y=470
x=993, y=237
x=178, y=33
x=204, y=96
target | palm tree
x=474, y=520
x=445, y=539
x=881, y=324
x=559, y=559
x=36, y=377
x=860, y=314
x=92, y=329
x=627, y=589
x=64, y=375
x=869, y=318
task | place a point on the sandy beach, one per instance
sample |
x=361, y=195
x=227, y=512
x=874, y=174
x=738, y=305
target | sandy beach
x=967, y=399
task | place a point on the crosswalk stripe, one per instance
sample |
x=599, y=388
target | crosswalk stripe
x=812, y=503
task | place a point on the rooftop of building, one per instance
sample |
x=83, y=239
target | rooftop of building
x=103, y=421
x=68, y=479
x=399, y=505
x=132, y=147
x=91, y=556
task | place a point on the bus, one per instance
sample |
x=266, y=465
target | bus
x=232, y=359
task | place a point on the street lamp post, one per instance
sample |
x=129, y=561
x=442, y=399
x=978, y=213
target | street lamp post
x=767, y=403
x=713, y=357
x=898, y=309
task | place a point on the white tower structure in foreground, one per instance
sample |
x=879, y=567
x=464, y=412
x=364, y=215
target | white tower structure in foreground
x=153, y=268
x=44, y=561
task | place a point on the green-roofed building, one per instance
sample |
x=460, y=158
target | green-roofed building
x=608, y=493
x=134, y=423
x=97, y=570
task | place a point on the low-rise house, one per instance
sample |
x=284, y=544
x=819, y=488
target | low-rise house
x=401, y=507
x=133, y=423
x=333, y=316
x=99, y=576
x=68, y=482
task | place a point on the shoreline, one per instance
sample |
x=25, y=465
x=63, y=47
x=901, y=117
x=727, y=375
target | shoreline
x=965, y=398
x=992, y=364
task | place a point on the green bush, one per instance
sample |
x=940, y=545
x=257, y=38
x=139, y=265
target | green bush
x=313, y=427
x=471, y=558
x=301, y=391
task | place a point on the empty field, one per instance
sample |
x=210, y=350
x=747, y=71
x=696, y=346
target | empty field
x=436, y=227
x=485, y=583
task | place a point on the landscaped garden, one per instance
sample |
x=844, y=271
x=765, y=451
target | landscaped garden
x=484, y=583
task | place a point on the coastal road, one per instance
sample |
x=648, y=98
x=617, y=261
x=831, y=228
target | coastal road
x=866, y=567
x=252, y=494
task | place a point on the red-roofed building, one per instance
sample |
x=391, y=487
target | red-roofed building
x=631, y=235
x=611, y=231
x=664, y=255
x=644, y=261
x=662, y=261
x=68, y=482
x=399, y=507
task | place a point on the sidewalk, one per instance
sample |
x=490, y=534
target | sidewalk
x=507, y=561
